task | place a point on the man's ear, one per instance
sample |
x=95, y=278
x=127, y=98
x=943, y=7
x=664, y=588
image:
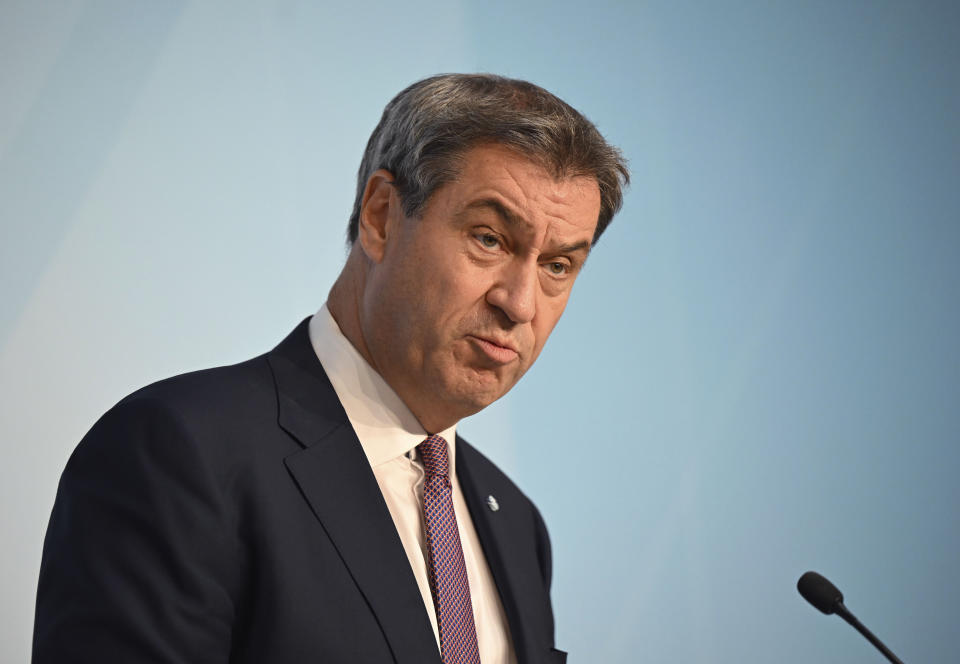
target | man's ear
x=379, y=212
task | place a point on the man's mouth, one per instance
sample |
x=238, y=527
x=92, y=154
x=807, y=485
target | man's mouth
x=499, y=351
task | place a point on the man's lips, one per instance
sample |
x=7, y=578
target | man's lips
x=499, y=351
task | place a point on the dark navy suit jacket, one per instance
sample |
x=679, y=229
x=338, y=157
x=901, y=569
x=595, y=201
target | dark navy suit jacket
x=230, y=515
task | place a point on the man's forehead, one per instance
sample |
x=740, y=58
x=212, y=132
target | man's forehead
x=520, y=190
x=498, y=159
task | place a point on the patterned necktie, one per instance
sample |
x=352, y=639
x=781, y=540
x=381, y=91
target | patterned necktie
x=448, y=573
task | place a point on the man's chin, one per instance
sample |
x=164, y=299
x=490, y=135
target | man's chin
x=481, y=389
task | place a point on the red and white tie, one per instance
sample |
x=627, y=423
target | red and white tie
x=448, y=573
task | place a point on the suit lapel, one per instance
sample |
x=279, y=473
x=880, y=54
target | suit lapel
x=336, y=480
x=504, y=536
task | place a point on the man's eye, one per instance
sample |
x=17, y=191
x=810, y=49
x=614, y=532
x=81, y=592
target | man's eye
x=557, y=269
x=488, y=241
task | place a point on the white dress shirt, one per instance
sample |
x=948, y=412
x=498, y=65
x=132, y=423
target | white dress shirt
x=389, y=434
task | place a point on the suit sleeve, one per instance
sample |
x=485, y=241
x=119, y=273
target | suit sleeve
x=544, y=554
x=138, y=558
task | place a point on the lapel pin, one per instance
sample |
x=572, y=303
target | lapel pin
x=492, y=504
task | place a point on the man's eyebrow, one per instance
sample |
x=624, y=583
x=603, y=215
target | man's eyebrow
x=500, y=209
x=516, y=220
x=576, y=246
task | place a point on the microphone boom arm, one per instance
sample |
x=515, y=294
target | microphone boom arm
x=844, y=613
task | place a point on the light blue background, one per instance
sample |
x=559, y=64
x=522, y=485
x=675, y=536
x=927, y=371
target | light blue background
x=758, y=373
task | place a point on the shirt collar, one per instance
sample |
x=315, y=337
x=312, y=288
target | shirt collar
x=383, y=423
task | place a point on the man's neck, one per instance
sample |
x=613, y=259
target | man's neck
x=343, y=302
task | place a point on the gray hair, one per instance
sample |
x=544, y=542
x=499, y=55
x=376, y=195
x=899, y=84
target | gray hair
x=425, y=130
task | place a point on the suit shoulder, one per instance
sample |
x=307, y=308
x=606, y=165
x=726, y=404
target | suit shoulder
x=209, y=388
x=213, y=408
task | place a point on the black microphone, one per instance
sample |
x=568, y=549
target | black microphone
x=825, y=596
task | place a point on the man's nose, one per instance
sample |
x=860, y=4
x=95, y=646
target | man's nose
x=515, y=291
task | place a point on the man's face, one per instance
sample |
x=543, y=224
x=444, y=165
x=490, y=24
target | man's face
x=459, y=303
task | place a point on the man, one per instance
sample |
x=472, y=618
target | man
x=315, y=504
